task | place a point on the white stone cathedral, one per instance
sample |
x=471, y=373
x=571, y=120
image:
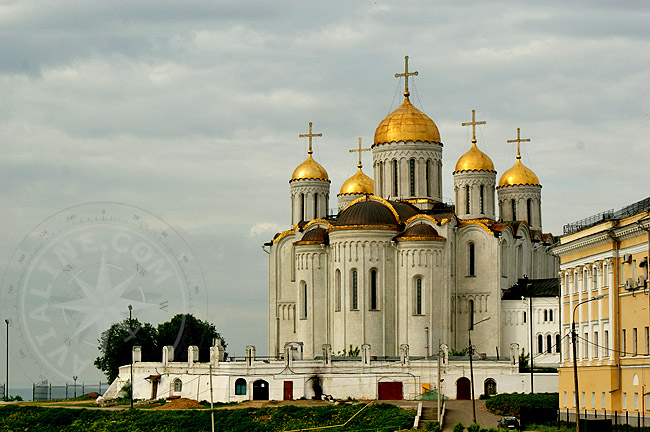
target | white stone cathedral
x=397, y=265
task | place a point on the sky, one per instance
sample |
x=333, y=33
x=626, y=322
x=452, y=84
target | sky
x=186, y=115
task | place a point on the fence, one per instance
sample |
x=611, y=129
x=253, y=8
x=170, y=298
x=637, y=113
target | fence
x=632, y=419
x=42, y=392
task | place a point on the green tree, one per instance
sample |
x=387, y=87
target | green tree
x=184, y=330
x=116, y=343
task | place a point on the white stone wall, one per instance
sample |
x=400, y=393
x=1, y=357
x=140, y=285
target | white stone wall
x=309, y=199
x=474, y=180
x=521, y=194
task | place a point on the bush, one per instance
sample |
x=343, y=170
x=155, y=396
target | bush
x=458, y=427
x=432, y=426
x=473, y=428
x=510, y=404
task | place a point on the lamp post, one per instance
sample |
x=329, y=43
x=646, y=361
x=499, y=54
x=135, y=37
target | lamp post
x=7, y=365
x=471, y=366
x=575, y=357
x=131, y=332
x=75, y=386
x=426, y=336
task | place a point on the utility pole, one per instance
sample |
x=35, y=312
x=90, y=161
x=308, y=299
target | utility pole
x=530, y=305
x=211, y=403
x=131, y=333
x=7, y=365
x=439, y=387
x=471, y=366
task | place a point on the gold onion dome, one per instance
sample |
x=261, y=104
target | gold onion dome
x=519, y=174
x=474, y=160
x=359, y=183
x=309, y=169
x=406, y=123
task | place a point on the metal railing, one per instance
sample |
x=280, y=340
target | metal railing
x=607, y=215
x=43, y=392
x=618, y=418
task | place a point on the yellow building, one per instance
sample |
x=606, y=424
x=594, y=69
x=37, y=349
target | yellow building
x=606, y=257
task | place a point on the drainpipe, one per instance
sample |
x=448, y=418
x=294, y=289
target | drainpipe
x=617, y=278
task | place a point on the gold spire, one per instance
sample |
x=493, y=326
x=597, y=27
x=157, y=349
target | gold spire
x=310, y=169
x=474, y=159
x=406, y=76
x=519, y=174
x=359, y=183
x=359, y=151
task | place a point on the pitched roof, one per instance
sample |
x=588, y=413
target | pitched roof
x=532, y=288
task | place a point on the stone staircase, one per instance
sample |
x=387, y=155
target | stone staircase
x=429, y=414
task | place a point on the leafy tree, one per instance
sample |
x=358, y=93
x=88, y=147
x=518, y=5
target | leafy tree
x=116, y=343
x=523, y=361
x=184, y=330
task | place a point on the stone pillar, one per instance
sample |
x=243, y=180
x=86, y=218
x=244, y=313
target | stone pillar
x=136, y=354
x=327, y=355
x=365, y=354
x=250, y=355
x=404, y=357
x=514, y=354
x=192, y=355
x=168, y=354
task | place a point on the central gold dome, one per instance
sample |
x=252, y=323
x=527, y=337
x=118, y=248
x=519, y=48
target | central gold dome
x=519, y=174
x=309, y=169
x=474, y=160
x=406, y=123
x=359, y=183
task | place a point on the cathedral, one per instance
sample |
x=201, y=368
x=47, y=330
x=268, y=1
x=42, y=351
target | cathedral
x=397, y=266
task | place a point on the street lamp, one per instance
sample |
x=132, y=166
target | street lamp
x=131, y=333
x=426, y=336
x=471, y=366
x=575, y=357
x=75, y=386
x=7, y=365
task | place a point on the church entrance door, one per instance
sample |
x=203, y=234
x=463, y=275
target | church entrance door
x=260, y=390
x=462, y=389
x=390, y=391
x=288, y=390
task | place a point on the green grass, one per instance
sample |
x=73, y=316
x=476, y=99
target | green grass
x=375, y=417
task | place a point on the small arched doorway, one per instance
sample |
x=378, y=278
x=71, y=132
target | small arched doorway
x=260, y=390
x=490, y=387
x=463, y=389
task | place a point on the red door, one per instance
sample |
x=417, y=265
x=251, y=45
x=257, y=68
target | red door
x=288, y=390
x=462, y=389
x=390, y=391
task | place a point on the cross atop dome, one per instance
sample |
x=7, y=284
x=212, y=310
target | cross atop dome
x=359, y=150
x=310, y=135
x=519, y=140
x=406, y=76
x=473, y=124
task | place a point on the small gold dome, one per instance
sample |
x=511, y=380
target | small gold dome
x=309, y=169
x=519, y=174
x=474, y=160
x=406, y=123
x=359, y=183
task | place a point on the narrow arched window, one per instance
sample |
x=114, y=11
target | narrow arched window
x=528, y=211
x=304, y=301
x=514, y=210
x=315, y=206
x=302, y=207
x=412, y=176
x=355, y=291
x=471, y=314
x=557, y=343
x=482, y=199
x=373, y=289
x=471, y=268
x=545, y=315
x=428, y=175
x=240, y=387
x=524, y=317
x=337, y=282
x=550, y=315
x=395, y=179
x=418, y=296
x=178, y=385
x=467, y=210
x=540, y=344
x=549, y=343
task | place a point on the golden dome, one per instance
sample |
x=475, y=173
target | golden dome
x=519, y=174
x=406, y=123
x=474, y=160
x=359, y=183
x=309, y=169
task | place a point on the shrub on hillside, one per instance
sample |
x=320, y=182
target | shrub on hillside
x=510, y=404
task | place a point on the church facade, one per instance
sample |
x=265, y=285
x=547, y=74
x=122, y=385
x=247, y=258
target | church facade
x=397, y=266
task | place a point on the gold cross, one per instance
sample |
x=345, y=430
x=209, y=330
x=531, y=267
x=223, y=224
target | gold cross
x=473, y=123
x=518, y=141
x=359, y=151
x=310, y=135
x=406, y=76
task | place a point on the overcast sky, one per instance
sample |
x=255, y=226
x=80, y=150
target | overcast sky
x=192, y=110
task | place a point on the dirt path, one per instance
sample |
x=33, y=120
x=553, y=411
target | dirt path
x=461, y=411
